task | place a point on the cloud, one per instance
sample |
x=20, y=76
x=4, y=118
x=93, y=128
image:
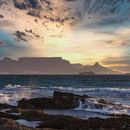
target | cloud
x=117, y=60
x=123, y=68
x=10, y=47
x=119, y=63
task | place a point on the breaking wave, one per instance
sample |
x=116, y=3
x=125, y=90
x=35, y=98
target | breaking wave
x=11, y=94
x=106, y=108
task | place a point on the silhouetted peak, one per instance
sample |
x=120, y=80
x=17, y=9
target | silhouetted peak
x=97, y=64
x=7, y=59
x=47, y=65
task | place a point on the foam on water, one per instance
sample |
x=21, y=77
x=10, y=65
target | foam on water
x=107, y=109
x=31, y=124
x=12, y=93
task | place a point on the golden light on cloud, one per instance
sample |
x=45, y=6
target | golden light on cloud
x=67, y=29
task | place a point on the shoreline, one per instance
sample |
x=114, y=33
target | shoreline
x=31, y=113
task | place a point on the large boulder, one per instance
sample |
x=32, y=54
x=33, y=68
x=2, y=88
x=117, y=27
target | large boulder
x=64, y=100
x=36, y=103
x=60, y=100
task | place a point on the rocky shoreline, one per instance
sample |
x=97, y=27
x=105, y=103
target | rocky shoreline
x=31, y=111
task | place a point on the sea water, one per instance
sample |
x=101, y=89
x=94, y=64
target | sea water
x=112, y=88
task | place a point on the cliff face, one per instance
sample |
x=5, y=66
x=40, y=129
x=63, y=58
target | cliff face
x=54, y=65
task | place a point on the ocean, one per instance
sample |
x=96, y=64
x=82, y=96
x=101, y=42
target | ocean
x=112, y=88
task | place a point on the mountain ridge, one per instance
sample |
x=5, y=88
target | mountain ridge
x=48, y=65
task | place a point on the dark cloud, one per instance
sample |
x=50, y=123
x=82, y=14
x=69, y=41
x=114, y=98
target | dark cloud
x=119, y=42
x=118, y=63
x=9, y=46
x=117, y=60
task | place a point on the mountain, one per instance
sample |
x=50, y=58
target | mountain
x=48, y=65
x=99, y=69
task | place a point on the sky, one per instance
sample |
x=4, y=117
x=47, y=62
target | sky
x=93, y=30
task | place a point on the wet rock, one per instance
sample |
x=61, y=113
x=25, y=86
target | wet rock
x=9, y=124
x=6, y=115
x=5, y=106
x=65, y=100
x=102, y=101
x=60, y=100
x=34, y=115
x=70, y=123
x=36, y=103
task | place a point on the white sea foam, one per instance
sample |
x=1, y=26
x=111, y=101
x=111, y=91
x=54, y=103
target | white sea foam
x=31, y=124
x=109, y=108
x=12, y=93
x=76, y=89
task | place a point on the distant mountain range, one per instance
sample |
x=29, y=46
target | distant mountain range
x=48, y=65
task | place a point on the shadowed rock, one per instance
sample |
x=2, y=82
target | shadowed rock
x=36, y=103
x=65, y=100
x=60, y=100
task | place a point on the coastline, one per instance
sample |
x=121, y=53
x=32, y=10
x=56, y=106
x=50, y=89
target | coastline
x=31, y=113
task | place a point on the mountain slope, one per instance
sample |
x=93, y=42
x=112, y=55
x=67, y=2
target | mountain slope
x=98, y=69
x=48, y=65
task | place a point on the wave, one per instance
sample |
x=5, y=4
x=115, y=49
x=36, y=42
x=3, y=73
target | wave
x=76, y=89
x=106, y=108
x=11, y=94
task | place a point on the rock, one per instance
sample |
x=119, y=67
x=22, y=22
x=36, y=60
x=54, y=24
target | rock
x=6, y=115
x=70, y=123
x=60, y=100
x=9, y=124
x=64, y=100
x=34, y=115
x=5, y=106
x=36, y=103
x=102, y=101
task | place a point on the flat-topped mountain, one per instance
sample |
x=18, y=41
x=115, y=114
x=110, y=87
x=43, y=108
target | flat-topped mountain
x=48, y=65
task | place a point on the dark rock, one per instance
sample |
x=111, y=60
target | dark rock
x=36, y=103
x=60, y=100
x=70, y=123
x=6, y=115
x=103, y=101
x=65, y=100
x=5, y=106
x=36, y=115
x=14, y=110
